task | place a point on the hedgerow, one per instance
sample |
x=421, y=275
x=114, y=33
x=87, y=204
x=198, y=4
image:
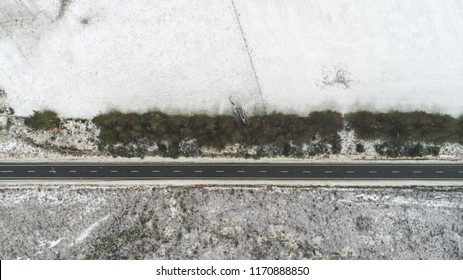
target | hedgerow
x=278, y=134
x=405, y=127
x=218, y=131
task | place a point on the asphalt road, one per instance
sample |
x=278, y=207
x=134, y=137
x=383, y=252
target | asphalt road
x=232, y=171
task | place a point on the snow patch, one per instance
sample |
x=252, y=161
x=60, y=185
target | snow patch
x=84, y=234
x=53, y=243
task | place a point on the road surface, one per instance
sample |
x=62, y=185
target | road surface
x=232, y=171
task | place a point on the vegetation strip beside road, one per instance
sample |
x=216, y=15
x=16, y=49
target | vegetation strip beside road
x=402, y=133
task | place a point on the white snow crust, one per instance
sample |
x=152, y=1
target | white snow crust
x=190, y=56
x=177, y=56
x=356, y=54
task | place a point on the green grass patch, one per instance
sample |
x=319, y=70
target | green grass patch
x=44, y=120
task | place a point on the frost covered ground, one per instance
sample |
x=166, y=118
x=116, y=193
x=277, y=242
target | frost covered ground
x=230, y=222
x=85, y=57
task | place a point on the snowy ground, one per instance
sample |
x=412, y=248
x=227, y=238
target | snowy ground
x=351, y=54
x=230, y=222
x=177, y=56
x=190, y=56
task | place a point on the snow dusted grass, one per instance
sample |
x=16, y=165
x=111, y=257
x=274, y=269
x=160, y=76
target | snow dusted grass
x=171, y=221
x=74, y=138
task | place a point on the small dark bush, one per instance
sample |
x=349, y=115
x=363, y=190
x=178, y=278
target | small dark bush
x=433, y=150
x=44, y=120
x=162, y=149
x=415, y=150
x=359, y=148
x=336, y=144
x=388, y=149
x=173, y=150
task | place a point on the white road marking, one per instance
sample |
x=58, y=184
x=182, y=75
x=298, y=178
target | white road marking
x=245, y=171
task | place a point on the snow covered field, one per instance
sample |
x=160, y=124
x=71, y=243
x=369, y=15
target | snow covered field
x=86, y=57
x=181, y=56
x=346, y=54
